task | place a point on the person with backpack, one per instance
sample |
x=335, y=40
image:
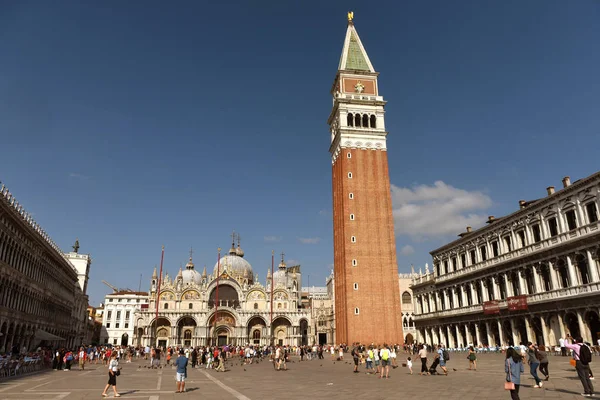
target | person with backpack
x=355, y=357
x=583, y=358
x=444, y=356
x=385, y=361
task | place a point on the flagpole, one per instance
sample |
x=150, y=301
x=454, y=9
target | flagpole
x=272, y=288
x=162, y=257
x=217, y=293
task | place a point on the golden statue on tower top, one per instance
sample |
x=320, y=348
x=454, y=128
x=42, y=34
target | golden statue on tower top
x=350, y=16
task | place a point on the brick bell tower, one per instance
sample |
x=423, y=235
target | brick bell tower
x=367, y=297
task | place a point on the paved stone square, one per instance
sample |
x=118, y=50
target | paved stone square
x=316, y=379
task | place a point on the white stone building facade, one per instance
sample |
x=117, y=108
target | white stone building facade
x=118, y=316
x=530, y=276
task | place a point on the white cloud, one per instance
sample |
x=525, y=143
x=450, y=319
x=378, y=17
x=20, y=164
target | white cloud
x=407, y=250
x=312, y=240
x=437, y=210
x=323, y=212
x=78, y=176
x=272, y=238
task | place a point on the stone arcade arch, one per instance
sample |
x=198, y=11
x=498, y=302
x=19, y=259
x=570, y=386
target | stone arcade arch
x=186, y=331
x=281, y=330
x=553, y=329
x=507, y=333
x=161, y=332
x=592, y=320
x=256, y=329
x=222, y=328
x=572, y=324
x=304, y=332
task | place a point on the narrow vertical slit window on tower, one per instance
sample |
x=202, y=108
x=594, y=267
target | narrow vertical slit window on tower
x=355, y=286
x=353, y=239
x=351, y=196
x=349, y=155
x=354, y=263
x=356, y=311
x=351, y=217
x=349, y=175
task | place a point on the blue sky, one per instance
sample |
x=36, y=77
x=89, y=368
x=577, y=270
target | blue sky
x=135, y=124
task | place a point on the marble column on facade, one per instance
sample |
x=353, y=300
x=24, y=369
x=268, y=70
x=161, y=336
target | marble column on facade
x=561, y=324
x=514, y=332
x=508, y=285
x=463, y=292
x=458, y=338
x=435, y=336
x=546, y=338
x=469, y=336
x=537, y=274
x=531, y=336
x=501, y=333
x=426, y=335
x=474, y=299
x=431, y=305
x=592, y=267
x=488, y=332
x=496, y=286
x=583, y=330
x=451, y=342
x=477, y=334
x=443, y=335
x=553, y=275
x=484, y=292
x=572, y=272
x=522, y=285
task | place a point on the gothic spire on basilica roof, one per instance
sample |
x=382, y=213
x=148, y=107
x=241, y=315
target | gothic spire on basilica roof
x=190, y=264
x=354, y=56
x=154, y=274
x=282, y=264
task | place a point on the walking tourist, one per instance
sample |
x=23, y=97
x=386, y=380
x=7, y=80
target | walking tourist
x=444, y=356
x=181, y=365
x=534, y=363
x=113, y=371
x=513, y=367
x=543, y=361
x=472, y=358
x=385, y=361
x=423, y=357
x=583, y=357
x=355, y=357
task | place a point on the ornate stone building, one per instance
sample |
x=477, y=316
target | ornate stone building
x=227, y=306
x=42, y=293
x=408, y=312
x=363, y=224
x=530, y=276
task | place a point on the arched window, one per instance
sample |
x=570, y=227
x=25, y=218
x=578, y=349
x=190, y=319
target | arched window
x=365, y=121
x=350, y=120
x=406, y=298
x=404, y=323
x=373, y=121
x=190, y=306
x=357, y=120
x=279, y=306
x=256, y=306
x=411, y=323
x=166, y=306
x=256, y=334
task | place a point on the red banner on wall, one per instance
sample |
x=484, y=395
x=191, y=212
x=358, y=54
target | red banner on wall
x=491, y=307
x=516, y=303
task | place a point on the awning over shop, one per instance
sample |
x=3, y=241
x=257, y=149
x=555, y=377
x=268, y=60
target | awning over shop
x=41, y=334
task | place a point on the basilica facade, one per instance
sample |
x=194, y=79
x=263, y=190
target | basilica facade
x=226, y=306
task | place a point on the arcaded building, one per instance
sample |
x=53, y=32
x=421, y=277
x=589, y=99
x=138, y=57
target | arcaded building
x=363, y=226
x=532, y=275
x=42, y=290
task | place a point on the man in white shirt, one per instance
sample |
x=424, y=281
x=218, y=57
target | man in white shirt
x=563, y=349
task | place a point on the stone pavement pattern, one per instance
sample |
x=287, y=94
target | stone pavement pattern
x=316, y=379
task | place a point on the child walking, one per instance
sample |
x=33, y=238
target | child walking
x=409, y=364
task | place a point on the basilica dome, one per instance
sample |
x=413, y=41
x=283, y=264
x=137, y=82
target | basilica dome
x=190, y=275
x=235, y=266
